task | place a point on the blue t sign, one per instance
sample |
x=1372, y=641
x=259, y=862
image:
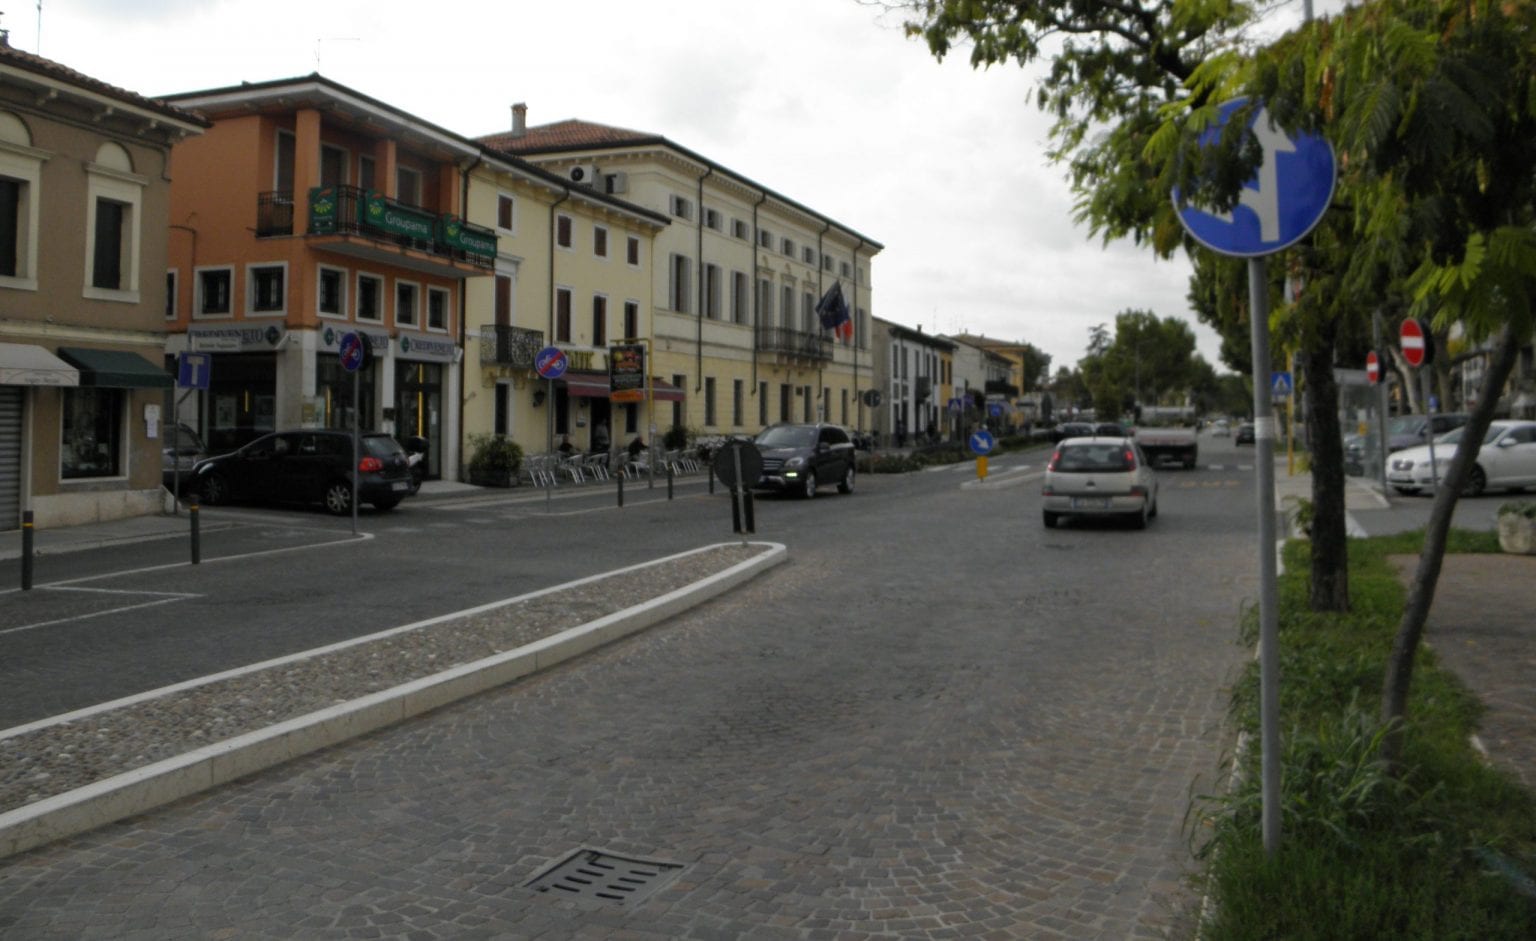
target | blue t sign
x=1282, y=202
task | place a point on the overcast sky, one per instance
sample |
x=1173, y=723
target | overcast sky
x=824, y=101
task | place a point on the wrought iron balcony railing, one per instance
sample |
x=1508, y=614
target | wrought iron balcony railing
x=510, y=346
x=794, y=343
x=274, y=213
x=355, y=211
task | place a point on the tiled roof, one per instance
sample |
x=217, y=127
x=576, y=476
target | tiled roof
x=38, y=65
x=563, y=135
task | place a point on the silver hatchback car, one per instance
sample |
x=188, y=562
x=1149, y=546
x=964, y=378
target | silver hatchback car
x=1099, y=476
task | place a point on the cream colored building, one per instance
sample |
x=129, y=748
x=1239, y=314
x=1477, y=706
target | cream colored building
x=736, y=280
x=573, y=271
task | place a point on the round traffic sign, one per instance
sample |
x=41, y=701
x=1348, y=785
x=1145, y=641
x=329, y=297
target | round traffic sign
x=738, y=453
x=551, y=362
x=353, y=351
x=1373, y=367
x=982, y=442
x=1418, y=346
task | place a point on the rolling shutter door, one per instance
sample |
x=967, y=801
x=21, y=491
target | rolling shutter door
x=10, y=457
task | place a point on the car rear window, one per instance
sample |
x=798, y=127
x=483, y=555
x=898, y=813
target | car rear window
x=1090, y=458
x=381, y=446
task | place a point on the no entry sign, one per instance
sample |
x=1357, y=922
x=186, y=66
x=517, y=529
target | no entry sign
x=1373, y=367
x=1418, y=346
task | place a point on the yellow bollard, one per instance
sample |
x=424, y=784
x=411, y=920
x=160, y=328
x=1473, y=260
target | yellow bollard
x=981, y=467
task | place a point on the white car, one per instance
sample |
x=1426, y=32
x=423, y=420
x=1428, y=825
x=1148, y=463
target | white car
x=1099, y=476
x=1221, y=428
x=1506, y=459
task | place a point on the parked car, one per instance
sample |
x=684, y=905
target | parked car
x=1244, y=433
x=1221, y=428
x=1408, y=431
x=1099, y=477
x=1112, y=429
x=183, y=449
x=1072, y=429
x=1506, y=459
x=308, y=466
x=799, y=458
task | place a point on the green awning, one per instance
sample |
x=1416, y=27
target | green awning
x=116, y=369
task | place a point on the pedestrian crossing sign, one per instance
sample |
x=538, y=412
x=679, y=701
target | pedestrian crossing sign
x=1280, y=385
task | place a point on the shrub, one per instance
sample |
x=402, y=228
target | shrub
x=494, y=456
x=675, y=439
x=1525, y=508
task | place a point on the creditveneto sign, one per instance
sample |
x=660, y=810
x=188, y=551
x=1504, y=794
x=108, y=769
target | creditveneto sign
x=1280, y=205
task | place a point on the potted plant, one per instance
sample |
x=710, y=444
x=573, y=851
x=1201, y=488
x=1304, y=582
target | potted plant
x=1517, y=527
x=494, y=461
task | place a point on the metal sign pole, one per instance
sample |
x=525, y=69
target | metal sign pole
x=1381, y=400
x=549, y=441
x=1269, y=644
x=1429, y=416
x=357, y=420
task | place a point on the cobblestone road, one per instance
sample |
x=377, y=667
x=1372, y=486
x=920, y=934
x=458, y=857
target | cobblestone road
x=936, y=721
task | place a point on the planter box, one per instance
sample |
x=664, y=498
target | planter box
x=1517, y=534
x=493, y=478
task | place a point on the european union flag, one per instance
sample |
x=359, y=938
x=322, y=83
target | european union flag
x=832, y=309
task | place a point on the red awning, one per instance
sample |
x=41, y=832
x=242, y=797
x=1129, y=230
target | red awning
x=665, y=391
x=586, y=385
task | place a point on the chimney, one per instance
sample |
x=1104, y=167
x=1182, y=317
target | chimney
x=519, y=119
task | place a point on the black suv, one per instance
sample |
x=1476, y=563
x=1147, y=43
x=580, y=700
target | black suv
x=308, y=466
x=799, y=458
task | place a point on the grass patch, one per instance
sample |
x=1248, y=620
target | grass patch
x=1445, y=851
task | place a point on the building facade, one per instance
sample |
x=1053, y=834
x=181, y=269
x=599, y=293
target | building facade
x=84, y=205
x=917, y=382
x=737, y=277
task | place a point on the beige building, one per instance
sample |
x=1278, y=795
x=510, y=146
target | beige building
x=736, y=279
x=85, y=173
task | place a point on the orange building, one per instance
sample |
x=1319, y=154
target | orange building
x=307, y=211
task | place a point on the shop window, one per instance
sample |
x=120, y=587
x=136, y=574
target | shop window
x=213, y=290
x=92, y=433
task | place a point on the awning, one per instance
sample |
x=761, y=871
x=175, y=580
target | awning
x=25, y=364
x=665, y=391
x=585, y=385
x=116, y=369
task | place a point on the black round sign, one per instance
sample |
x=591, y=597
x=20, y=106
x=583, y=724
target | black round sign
x=751, y=462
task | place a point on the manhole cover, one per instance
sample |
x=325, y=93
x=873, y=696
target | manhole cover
x=597, y=876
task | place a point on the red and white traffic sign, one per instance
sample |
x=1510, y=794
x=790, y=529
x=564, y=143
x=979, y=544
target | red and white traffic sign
x=1373, y=367
x=1416, y=342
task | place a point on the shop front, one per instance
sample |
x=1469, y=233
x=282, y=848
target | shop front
x=241, y=403
x=421, y=369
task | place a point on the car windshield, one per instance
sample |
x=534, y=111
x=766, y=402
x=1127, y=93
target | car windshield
x=1405, y=425
x=381, y=446
x=183, y=438
x=1089, y=458
x=787, y=436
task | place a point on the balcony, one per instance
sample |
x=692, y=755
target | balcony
x=510, y=346
x=274, y=214
x=794, y=344
x=372, y=226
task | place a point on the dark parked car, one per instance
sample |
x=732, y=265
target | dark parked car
x=308, y=466
x=1244, y=433
x=1072, y=429
x=800, y=458
x=183, y=449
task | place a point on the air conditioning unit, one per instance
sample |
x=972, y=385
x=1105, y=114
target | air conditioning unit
x=616, y=183
x=584, y=174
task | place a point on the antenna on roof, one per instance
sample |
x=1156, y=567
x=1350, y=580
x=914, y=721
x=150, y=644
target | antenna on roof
x=321, y=39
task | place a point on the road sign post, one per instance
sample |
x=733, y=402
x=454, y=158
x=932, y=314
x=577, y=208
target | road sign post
x=550, y=363
x=982, y=443
x=1418, y=346
x=353, y=350
x=1275, y=209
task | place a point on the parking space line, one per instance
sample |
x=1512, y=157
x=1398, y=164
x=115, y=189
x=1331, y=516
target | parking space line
x=167, y=597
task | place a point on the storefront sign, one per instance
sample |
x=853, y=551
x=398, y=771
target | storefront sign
x=397, y=219
x=323, y=209
x=476, y=241
x=330, y=339
x=262, y=338
x=427, y=349
x=626, y=372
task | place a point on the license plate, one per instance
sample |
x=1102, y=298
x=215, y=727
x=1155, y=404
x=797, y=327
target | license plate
x=1090, y=503
x=401, y=485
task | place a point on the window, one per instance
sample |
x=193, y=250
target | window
x=712, y=289
x=681, y=286
x=740, y=300
x=114, y=195
x=807, y=407
x=11, y=232
x=265, y=292
x=844, y=269
x=213, y=292
x=808, y=255
x=762, y=403
x=407, y=301
x=333, y=292
x=681, y=382
x=632, y=250
x=808, y=311
x=599, y=241
x=765, y=238
x=739, y=230
x=500, y=424
x=599, y=320
x=712, y=219
x=504, y=212
x=765, y=303
x=563, y=315
x=787, y=305
x=709, y=401
x=843, y=418
x=370, y=297
x=682, y=208
x=408, y=186
x=20, y=172
x=365, y=172
x=170, y=295
x=437, y=309
x=784, y=398
x=738, y=392
x=282, y=172
x=631, y=320
x=563, y=231
x=826, y=263
x=503, y=301
x=787, y=247
x=107, y=266
x=92, y=433
x=333, y=165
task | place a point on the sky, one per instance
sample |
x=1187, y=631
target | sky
x=824, y=101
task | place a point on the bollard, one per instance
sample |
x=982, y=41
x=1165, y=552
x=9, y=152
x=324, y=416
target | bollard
x=711, y=483
x=735, y=512
x=197, y=549
x=669, y=481
x=747, y=498
x=26, y=550
x=620, y=478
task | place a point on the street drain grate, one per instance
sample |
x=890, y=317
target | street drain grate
x=597, y=876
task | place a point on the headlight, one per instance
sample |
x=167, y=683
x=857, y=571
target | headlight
x=794, y=462
x=1402, y=465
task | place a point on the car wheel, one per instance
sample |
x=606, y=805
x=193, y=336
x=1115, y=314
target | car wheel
x=1476, y=483
x=846, y=486
x=808, y=490
x=1152, y=514
x=213, y=490
x=388, y=504
x=338, y=497
x=1050, y=518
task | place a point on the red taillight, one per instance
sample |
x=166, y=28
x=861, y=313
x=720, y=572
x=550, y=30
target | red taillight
x=1130, y=459
x=1138, y=491
x=1055, y=460
x=370, y=465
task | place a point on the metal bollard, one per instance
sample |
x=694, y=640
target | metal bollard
x=711, y=483
x=751, y=524
x=197, y=548
x=735, y=512
x=26, y=550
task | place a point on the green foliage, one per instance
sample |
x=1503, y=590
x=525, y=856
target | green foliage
x=1525, y=508
x=1364, y=853
x=494, y=455
x=675, y=438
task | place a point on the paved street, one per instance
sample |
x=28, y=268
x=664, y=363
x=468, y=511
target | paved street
x=937, y=720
